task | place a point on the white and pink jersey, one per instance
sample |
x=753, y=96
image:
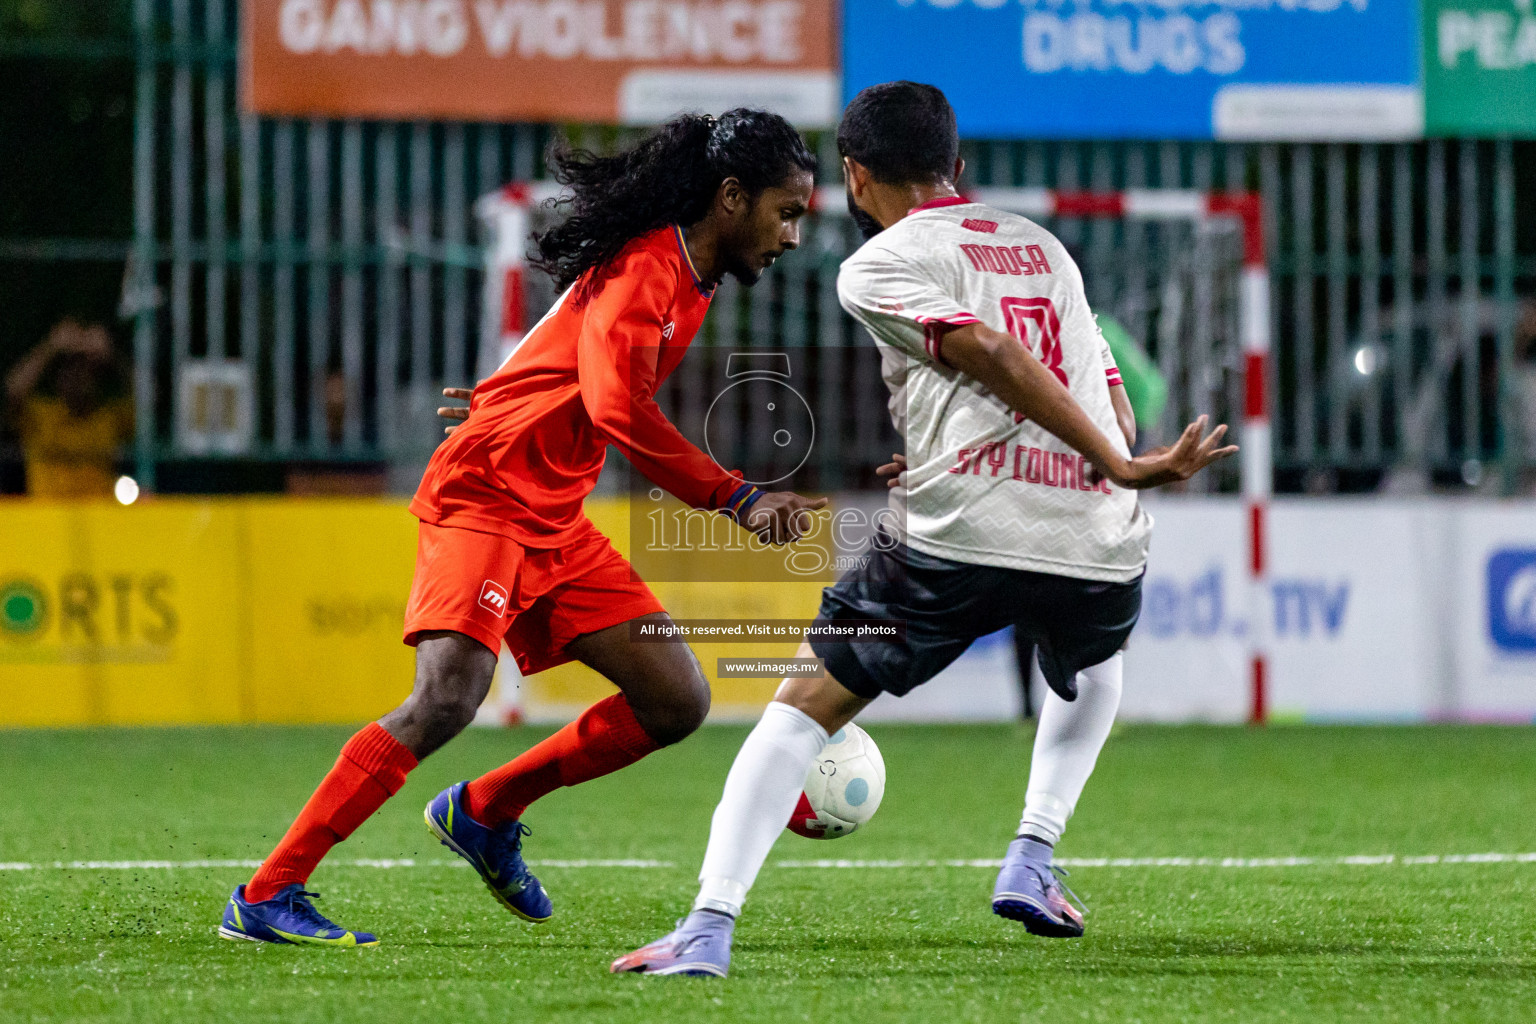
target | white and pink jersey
x=981, y=485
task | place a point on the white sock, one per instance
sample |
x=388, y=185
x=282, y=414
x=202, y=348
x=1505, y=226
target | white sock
x=1067, y=745
x=760, y=794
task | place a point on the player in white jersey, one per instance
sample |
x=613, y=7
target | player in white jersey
x=983, y=484
x=1015, y=498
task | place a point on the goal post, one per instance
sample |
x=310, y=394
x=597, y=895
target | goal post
x=508, y=216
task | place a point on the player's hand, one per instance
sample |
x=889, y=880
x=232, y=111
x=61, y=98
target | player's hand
x=782, y=517
x=1194, y=450
x=892, y=470
x=459, y=413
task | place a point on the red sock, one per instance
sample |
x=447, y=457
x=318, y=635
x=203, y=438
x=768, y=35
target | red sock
x=371, y=769
x=604, y=739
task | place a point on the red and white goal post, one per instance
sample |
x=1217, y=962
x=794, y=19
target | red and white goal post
x=508, y=214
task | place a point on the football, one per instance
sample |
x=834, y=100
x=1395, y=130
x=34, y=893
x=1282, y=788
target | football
x=843, y=788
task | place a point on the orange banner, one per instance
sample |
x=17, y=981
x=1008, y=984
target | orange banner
x=609, y=61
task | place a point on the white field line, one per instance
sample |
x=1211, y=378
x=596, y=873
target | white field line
x=364, y=862
x=1359, y=860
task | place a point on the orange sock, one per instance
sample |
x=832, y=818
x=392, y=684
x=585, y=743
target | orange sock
x=371, y=769
x=604, y=739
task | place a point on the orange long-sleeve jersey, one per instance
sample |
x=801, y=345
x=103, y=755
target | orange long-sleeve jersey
x=585, y=377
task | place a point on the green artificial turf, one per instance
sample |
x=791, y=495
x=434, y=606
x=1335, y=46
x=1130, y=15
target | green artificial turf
x=1321, y=942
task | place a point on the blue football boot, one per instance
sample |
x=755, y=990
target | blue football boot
x=1029, y=890
x=287, y=918
x=496, y=853
x=701, y=946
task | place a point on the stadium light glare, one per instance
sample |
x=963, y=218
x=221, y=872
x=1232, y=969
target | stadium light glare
x=126, y=490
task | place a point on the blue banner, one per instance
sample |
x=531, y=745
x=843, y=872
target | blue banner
x=1193, y=69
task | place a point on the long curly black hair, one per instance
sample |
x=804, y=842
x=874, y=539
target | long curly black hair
x=669, y=177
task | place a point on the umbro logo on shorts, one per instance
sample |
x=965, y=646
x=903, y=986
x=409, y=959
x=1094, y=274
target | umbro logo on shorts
x=493, y=597
x=667, y=329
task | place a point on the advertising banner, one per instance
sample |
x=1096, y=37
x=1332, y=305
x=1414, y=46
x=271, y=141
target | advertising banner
x=272, y=610
x=1480, y=67
x=326, y=583
x=1377, y=610
x=604, y=61
x=290, y=611
x=203, y=612
x=1191, y=69
x=1344, y=614
x=1494, y=589
x=1188, y=656
x=118, y=616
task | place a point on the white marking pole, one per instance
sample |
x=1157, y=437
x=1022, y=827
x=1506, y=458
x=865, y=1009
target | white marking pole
x=1257, y=461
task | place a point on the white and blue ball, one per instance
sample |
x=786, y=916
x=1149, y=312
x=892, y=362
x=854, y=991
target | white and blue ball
x=843, y=789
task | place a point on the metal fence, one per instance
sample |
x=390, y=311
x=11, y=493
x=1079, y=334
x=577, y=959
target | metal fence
x=339, y=262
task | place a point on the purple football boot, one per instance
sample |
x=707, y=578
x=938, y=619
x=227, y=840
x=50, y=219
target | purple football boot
x=1029, y=890
x=701, y=946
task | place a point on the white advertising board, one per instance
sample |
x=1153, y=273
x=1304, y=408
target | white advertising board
x=1188, y=656
x=1494, y=589
x=1351, y=617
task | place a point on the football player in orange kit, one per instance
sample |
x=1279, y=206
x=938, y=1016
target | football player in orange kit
x=504, y=549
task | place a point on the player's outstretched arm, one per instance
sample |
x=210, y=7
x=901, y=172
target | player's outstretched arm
x=1012, y=373
x=778, y=517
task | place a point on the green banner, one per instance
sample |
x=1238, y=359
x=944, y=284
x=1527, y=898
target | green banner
x=1479, y=67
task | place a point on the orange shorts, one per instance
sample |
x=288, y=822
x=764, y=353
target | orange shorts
x=538, y=599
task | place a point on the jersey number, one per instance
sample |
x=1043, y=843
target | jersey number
x=1020, y=315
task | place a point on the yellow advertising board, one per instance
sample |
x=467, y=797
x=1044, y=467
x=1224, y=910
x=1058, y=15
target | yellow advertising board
x=202, y=611
x=111, y=614
x=328, y=581
x=266, y=610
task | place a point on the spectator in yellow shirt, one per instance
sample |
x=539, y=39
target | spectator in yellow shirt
x=71, y=432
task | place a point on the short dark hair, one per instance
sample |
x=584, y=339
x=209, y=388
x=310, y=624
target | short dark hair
x=904, y=132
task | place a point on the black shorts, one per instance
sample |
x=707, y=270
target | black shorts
x=947, y=605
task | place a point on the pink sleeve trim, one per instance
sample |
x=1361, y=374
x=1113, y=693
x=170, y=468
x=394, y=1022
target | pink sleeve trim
x=933, y=331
